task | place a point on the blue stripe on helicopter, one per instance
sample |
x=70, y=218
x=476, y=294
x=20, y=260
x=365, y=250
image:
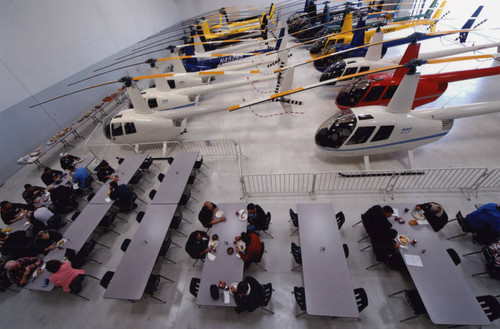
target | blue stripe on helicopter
x=396, y=143
x=178, y=107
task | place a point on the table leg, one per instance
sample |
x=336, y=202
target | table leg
x=65, y=143
x=77, y=135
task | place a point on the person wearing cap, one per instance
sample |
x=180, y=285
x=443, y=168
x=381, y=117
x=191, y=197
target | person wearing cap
x=434, y=213
x=31, y=192
x=68, y=161
x=249, y=295
x=50, y=175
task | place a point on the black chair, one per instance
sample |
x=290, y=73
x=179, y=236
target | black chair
x=296, y=253
x=164, y=249
x=125, y=245
x=199, y=163
x=264, y=228
x=120, y=160
x=415, y=302
x=191, y=180
x=106, y=279
x=454, y=256
x=300, y=298
x=76, y=286
x=140, y=216
x=152, y=286
x=136, y=179
x=185, y=199
x=107, y=222
x=490, y=306
x=361, y=298
x=194, y=286
x=147, y=163
x=161, y=176
x=170, y=160
x=340, y=219
x=75, y=216
x=346, y=250
x=176, y=222
x=88, y=182
x=295, y=220
x=463, y=225
x=152, y=194
x=268, y=291
x=257, y=261
x=90, y=196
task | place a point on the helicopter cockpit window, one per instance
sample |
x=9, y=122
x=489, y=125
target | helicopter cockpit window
x=350, y=70
x=361, y=135
x=333, y=71
x=116, y=129
x=339, y=41
x=383, y=133
x=130, y=128
x=318, y=45
x=374, y=94
x=390, y=92
x=336, y=130
x=364, y=68
x=354, y=92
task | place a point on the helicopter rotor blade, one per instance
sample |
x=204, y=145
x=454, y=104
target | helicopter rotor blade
x=106, y=72
x=74, y=92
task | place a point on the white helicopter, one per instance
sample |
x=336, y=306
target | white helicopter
x=368, y=130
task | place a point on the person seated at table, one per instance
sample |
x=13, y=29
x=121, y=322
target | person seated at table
x=31, y=193
x=249, y=295
x=485, y=222
x=17, y=244
x=105, y=172
x=80, y=176
x=122, y=196
x=47, y=217
x=386, y=248
x=62, y=273
x=256, y=217
x=12, y=212
x=197, y=244
x=18, y=271
x=46, y=240
x=249, y=247
x=375, y=219
x=207, y=215
x=434, y=214
x=50, y=176
x=68, y=161
x=63, y=198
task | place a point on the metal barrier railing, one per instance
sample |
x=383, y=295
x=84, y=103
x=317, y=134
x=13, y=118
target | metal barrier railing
x=211, y=148
x=278, y=184
x=385, y=182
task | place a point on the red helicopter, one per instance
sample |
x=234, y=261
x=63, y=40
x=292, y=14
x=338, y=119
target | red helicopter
x=378, y=89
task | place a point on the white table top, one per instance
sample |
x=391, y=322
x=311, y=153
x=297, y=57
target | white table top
x=132, y=274
x=439, y=282
x=175, y=180
x=327, y=282
x=228, y=268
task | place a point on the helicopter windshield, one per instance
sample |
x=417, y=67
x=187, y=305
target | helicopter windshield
x=107, y=128
x=318, y=46
x=354, y=92
x=333, y=71
x=336, y=130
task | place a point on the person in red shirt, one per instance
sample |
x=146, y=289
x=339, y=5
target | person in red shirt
x=249, y=247
x=62, y=273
